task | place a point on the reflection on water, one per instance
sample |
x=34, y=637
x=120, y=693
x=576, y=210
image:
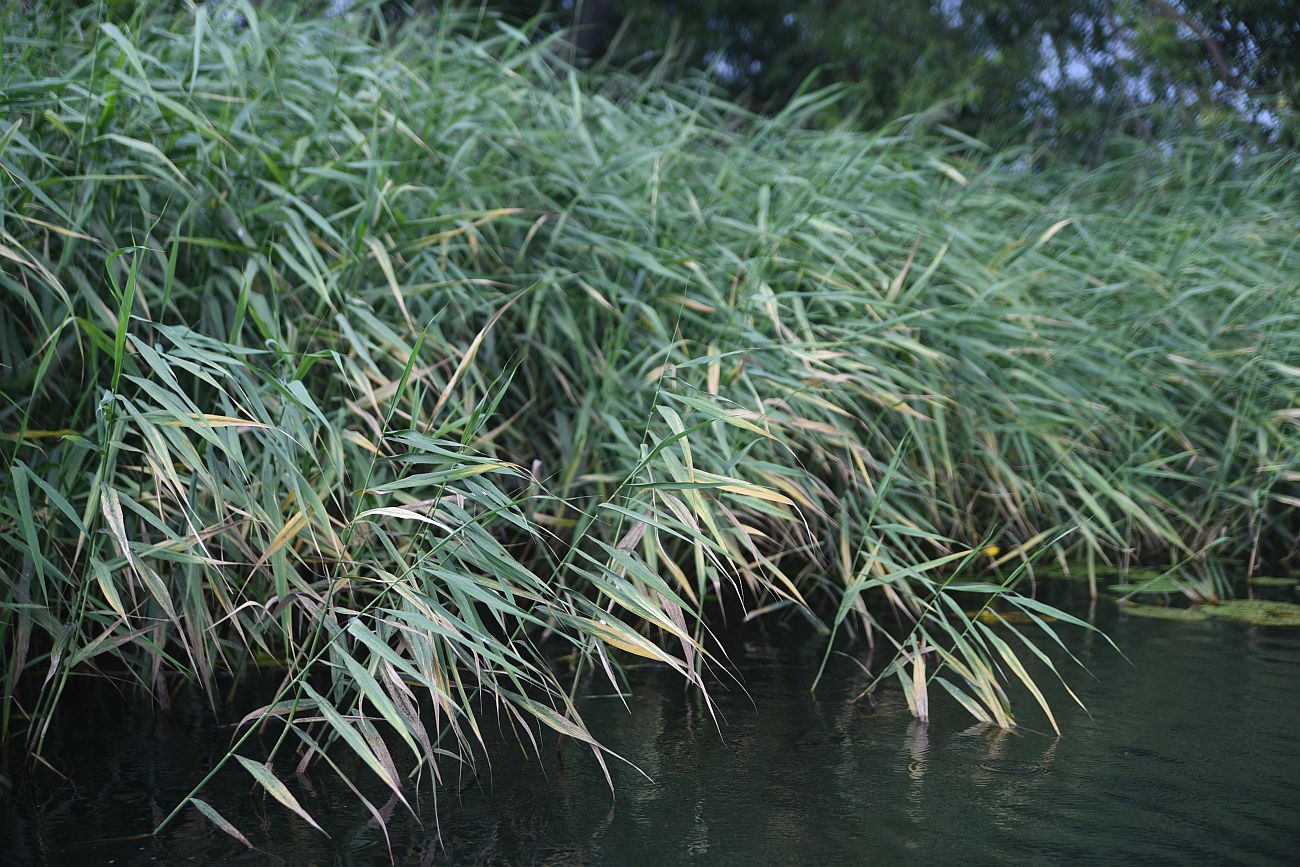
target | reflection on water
x=1189, y=754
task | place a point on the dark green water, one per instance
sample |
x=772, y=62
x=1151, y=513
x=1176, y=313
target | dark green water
x=1189, y=755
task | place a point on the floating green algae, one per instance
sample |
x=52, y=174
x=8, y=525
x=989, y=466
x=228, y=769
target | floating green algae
x=1268, y=581
x=1144, y=582
x=1061, y=575
x=1260, y=612
x=1163, y=612
x=1057, y=575
x=262, y=659
x=1079, y=572
x=993, y=618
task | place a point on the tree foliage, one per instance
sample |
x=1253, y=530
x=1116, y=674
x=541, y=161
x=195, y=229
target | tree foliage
x=1076, y=69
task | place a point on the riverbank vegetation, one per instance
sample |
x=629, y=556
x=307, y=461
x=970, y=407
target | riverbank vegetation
x=444, y=376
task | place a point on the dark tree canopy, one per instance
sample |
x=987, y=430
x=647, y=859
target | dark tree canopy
x=1075, y=68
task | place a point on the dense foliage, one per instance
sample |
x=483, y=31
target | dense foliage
x=413, y=366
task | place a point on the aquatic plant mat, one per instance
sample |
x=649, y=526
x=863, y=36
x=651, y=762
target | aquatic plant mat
x=1260, y=612
x=428, y=366
x=1162, y=612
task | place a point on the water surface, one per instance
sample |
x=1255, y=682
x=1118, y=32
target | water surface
x=1189, y=753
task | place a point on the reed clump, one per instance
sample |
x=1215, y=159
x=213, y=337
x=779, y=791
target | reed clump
x=401, y=358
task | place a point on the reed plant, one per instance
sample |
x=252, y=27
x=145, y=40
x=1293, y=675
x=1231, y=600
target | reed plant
x=446, y=376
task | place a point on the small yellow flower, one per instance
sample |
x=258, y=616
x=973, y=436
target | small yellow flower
x=993, y=550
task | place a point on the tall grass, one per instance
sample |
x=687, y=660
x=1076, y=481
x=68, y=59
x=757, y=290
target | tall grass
x=404, y=363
